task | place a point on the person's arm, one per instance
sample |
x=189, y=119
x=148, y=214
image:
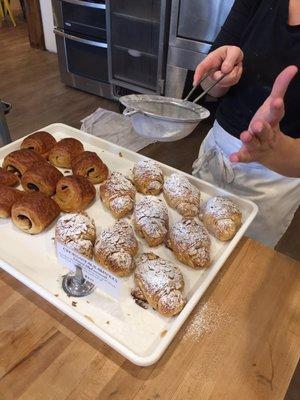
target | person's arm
x=264, y=142
x=225, y=55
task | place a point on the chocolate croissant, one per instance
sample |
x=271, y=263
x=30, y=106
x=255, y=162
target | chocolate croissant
x=74, y=193
x=64, y=151
x=160, y=283
x=221, y=217
x=90, y=165
x=151, y=220
x=41, y=177
x=34, y=212
x=182, y=195
x=118, y=194
x=148, y=177
x=8, y=197
x=19, y=161
x=8, y=178
x=115, y=248
x=190, y=243
x=41, y=142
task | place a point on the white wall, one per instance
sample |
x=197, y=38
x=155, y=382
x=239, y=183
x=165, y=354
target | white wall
x=47, y=17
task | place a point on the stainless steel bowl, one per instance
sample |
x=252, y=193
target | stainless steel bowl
x=162, y=119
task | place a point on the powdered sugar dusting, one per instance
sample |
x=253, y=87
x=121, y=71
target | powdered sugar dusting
x=119, y=191
x=160, y=277
x=190, y=233
x=178, y=186
x=147, y=174
x=74, y=226
x=77, y=231
x=117, y=245
x=182, y=195
x=151, y=216
x=221, y=207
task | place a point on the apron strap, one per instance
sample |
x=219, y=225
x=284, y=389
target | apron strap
x=223, y=170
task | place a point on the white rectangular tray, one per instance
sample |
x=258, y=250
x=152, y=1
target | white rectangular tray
x=140, y=335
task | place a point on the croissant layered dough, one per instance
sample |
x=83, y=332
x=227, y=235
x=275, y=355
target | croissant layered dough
x=148, y=177
x=8, y=178
x=34, y=212
x=151, y=220
x=62, y=154
x=19, y=161
x=221, y=217
x=78, y=232
x=182, y=195
x=41, y=142
x=74, y=193
x=190, y=243
x=8, y=197
x=115, y=248
x=118, y=194
x=90, y=165
x=41, y=177
x=160, y=283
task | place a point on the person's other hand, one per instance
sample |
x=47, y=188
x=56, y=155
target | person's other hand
x=224, y=60
x=263, y=140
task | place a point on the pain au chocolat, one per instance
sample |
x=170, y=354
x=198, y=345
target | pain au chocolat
x=34, y=212
x=74, y=193
x=41, y=177
x=8, y=196
x=90, y=165
x=19, y=161
x=41, y=142
x=8, y=178
x=62, y=154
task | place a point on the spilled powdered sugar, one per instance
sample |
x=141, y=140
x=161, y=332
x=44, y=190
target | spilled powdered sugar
x=207, y=319
x=151, y=215
x=221, y=207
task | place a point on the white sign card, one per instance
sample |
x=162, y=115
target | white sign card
x=91, y=271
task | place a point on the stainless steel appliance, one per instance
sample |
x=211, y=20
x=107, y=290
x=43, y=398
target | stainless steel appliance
x=80, y=29
x=4, y=131
x=194, y=26
x=138, y=38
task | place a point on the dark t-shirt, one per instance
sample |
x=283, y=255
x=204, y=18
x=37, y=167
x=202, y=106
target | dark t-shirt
x=260, y=28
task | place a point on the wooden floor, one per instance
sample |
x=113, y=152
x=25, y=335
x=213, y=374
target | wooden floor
x=30, y=81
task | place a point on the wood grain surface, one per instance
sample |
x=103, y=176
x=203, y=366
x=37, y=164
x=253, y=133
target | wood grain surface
x=248, y=351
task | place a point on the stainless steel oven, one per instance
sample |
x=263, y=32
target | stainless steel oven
x=80, y=29
x=194, y=26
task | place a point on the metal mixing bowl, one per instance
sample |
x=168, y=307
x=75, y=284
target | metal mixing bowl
x=162, y=119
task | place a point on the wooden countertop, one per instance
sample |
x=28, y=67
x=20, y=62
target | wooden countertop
x=241, y=342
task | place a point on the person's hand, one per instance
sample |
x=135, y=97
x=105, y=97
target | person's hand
x=263, y=141
x=224, y=60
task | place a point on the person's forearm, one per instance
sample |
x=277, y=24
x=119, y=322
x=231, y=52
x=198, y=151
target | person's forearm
x=216, y=91
x=286, y=161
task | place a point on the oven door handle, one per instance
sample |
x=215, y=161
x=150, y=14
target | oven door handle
x=86, y=4
x=79, y=39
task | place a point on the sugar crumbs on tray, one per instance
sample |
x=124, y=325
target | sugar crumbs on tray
x=207, y=319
